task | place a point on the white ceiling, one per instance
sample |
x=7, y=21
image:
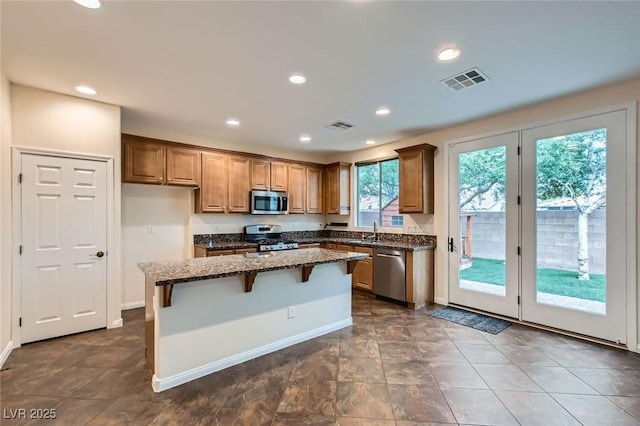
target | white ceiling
x=187, y=66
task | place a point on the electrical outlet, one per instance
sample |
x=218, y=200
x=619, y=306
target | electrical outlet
x=151, y=229
x=291, y=312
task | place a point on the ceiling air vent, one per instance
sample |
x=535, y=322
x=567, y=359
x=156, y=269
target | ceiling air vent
x=339, y=126
x=466, y=79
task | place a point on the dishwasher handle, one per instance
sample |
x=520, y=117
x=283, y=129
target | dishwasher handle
x=388, y=255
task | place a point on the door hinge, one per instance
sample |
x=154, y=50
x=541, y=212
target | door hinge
x=19, y=177
x=451, y=245
x=20, y=322
x=19, y=249
x=519, y=251
x=518, y=300
x=519, y=199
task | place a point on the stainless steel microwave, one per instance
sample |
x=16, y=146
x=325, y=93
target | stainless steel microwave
x=269, y=202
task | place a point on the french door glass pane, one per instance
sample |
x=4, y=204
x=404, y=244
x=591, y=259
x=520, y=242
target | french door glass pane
x=482, y=211
x=571, y=191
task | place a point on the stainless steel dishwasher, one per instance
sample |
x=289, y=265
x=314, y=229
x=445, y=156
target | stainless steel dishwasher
x=389, y=274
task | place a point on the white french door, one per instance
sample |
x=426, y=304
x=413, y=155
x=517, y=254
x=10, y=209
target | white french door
x=484, y=191
x=63, y=240
x=543, y=236
x=574, y=210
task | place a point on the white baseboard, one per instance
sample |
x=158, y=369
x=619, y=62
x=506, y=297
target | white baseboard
x=440, y=300
x=116, y=323
x=5, y=353
x=160, y=385
x=132, y=305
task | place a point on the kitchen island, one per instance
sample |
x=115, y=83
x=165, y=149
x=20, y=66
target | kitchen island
x=207, y=314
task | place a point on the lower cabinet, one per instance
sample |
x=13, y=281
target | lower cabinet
x=362, y=277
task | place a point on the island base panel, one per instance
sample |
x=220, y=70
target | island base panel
x=214, y=324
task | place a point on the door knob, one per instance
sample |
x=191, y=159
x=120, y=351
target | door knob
x=98, y=254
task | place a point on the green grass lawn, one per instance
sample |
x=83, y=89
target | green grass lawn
x=553, y=281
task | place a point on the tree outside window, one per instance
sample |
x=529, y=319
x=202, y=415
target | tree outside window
x=378, y=189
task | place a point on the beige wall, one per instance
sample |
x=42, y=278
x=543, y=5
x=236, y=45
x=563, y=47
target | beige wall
x=555, y=109
x=168, y=212
x=5, y=214
x=56, y=122
x=200, y=140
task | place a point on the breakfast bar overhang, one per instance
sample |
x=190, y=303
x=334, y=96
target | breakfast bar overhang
x=207, y=314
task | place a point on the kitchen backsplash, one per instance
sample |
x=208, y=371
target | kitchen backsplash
x=418, y=239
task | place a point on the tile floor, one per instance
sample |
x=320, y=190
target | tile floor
x=394, y=366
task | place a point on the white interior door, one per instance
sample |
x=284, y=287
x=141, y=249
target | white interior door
x=483, y=222
x=574, y=233
x=63, y=232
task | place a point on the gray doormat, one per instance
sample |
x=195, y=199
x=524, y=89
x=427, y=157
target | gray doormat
x=471, y=319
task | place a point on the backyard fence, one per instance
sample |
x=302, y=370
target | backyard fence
x=557, y=234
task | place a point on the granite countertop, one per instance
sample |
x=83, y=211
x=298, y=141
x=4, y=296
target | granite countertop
x=348, y=241
x=367, y=243
x=182, y=271
x=228, y=245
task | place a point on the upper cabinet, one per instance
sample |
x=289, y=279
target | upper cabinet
x=145, y=161
x=279, y=176
x=338, y=188
x=211, y=197
x=305, y=189
x=269, y=175
x=239, y=184
x=297, y=188
x=183, y=166
x=260, y=174
x=416, y=179
x=315, y=202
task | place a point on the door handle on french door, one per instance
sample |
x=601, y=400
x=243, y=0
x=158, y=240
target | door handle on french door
x=98, y=254
x=451, y=245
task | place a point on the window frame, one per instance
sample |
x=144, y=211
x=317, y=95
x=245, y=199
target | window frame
x=356, y=210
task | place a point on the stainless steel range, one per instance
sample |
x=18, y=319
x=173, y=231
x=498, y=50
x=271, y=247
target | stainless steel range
x=268, y=237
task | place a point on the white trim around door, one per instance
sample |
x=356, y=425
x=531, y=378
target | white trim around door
x=112, y=262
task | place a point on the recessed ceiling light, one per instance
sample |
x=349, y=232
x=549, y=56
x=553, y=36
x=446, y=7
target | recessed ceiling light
x=449, y=54
x=90, y=4
x=370, y=142
x=86, y=90
x=305, y=139
x=383, y=111
x=297, y=79
x=233, y=122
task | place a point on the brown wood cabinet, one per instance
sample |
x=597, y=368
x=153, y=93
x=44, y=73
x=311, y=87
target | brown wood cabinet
x=245, y=250
x=239, y=184
x=269, y=175
x=260, y=174
x=279, y=176
x=338, y=188
x=211, y=197
x=416, y=179
x=297, y=188
x=344, y=247
x=183, y=166
x=143, y=162
x=314, y=182
x=146, y=161
x=362, y=277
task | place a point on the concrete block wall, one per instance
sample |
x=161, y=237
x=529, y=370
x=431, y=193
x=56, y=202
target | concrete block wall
x=557, y=236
